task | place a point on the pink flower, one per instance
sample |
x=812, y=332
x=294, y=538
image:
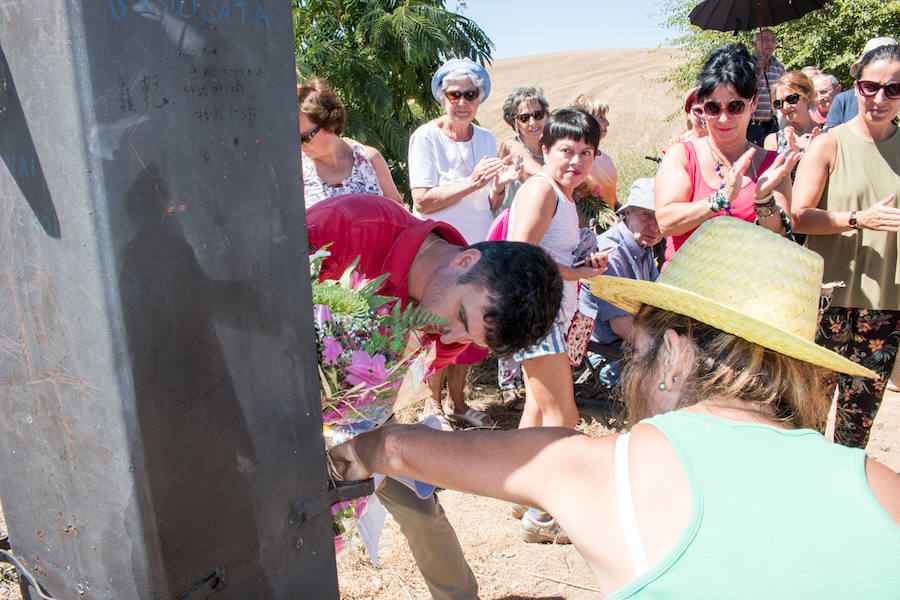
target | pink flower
x=357, y=281
x=332, y=350
x=322, y=314
x=366, y=369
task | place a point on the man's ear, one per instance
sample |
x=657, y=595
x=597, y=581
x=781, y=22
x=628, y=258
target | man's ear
x=466, y=258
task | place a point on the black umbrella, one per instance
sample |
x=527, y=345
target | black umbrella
x=744, y=15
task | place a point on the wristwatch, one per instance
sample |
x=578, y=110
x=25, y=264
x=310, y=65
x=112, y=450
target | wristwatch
x=854, y=224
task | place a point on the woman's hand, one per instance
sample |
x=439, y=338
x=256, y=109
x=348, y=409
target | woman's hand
x=486, y=169
x=881, y=216
x=594, y=264
x=510, y=171
x=779, y=169
x=793, y=139
x=346, y=464
x=734, y=177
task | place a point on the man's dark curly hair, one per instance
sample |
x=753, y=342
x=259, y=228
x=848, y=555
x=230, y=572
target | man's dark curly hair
x=525, y=288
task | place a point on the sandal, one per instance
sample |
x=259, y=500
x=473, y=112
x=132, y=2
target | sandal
x=512, y=400
x=475, y=417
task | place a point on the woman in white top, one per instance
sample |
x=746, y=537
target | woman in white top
x=456, y=177
x=544, y=214
x=334, y=165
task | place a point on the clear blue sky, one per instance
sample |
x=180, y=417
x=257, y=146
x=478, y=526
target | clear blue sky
x=537, y=26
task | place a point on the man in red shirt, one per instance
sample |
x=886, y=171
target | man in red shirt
x=501, y=295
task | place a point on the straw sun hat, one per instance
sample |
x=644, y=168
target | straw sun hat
x=744, y=280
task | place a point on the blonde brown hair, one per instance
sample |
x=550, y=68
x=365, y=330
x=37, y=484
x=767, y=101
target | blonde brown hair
x=798, y=82
x=724, y=366
x=318, y=101
x=590, y=105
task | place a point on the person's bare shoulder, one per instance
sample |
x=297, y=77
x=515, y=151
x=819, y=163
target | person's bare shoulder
x=885, y=486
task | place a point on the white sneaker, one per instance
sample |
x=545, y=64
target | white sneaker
x=536, y=532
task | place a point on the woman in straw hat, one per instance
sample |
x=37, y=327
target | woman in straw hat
x=723, y=488
x=845, y=198
x=723, y=173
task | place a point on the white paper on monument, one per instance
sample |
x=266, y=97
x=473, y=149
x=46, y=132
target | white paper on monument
x=371, y=524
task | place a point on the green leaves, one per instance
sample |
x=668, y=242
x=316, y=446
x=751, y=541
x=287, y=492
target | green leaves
x=831, y=38
x=379, y=56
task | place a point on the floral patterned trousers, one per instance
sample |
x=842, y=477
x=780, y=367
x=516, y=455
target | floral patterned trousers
x=867, y=337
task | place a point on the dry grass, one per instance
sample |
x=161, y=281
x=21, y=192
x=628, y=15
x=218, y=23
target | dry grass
x=640, y=106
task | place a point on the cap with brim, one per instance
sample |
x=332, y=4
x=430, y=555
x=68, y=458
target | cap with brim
x=744, y=280
x=459, y=64
x=640, y=195
x=871, y=45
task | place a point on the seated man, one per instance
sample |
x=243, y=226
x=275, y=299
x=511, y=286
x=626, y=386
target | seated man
x=632, y=240
x=502, y=295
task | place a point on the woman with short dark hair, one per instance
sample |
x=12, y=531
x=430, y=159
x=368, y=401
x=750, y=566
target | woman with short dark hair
x=723, y=173
x=544, y=214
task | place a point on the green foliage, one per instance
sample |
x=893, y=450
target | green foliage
x=340, y=299
x=379, y=56
x=831, y=38
x=408, y=319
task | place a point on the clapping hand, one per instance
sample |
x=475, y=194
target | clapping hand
x=881, y=216
x=486, y=169
x=780, y=167
x=511, y=171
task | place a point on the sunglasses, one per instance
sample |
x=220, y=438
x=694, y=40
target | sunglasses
x=469, y=95
x=735, y=107
x=870, y=88
x=537, y=115
x=306, y=138
x=789, y=99
x=697, y=110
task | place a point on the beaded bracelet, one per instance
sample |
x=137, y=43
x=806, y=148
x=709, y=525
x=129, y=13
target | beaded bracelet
x=718, y=201
x=766, y=208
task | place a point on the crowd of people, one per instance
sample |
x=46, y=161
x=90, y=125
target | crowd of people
x=730, y=366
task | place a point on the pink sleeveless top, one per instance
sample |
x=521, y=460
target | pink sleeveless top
x=742, y=207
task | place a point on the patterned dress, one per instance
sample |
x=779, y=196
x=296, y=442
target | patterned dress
x=362, y=179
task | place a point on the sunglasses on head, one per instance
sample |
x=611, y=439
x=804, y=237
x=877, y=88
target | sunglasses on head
x=789, y=99
x=870, y=88
x=537, y=115
x=305, y=138
x=469, y=95
x=735, y=107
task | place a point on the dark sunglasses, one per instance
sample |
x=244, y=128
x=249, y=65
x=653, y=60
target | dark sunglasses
x=790, y=99
x=305, y=138
x=870, y=88
x=735, y=107
x=697, y=110
x=469, y=95
x=537, y=115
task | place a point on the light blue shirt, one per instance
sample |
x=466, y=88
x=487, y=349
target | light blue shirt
x=628, y=259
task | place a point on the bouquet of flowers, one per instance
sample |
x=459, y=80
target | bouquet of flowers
x=593, y=211
x=364, y=351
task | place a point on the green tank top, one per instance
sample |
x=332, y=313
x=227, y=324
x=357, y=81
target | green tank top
x=865, y=260
x=776, y=514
